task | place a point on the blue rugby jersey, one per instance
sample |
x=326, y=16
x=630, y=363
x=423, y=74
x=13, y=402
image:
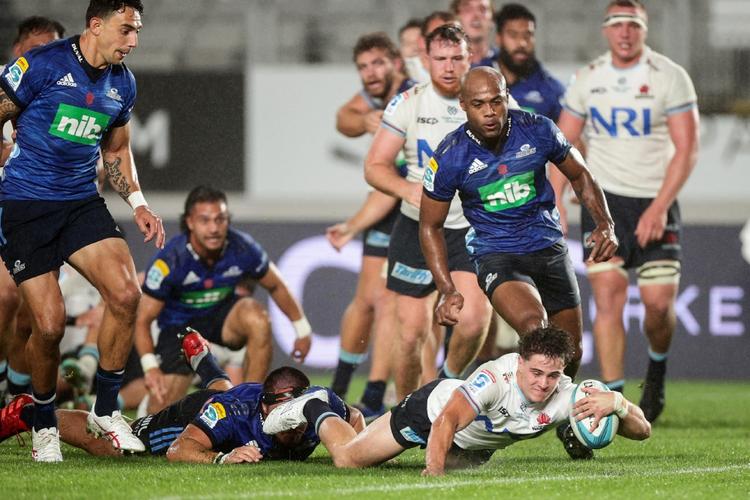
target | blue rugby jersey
x=177, y=276
x=505, y=197
x=233, y=418
x=66, y=108
x=539, y=93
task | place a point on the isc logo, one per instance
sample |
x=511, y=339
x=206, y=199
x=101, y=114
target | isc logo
x=631, y=120
x=78, y=125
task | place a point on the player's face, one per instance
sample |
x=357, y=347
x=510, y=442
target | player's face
x=475, y=17
x=625, y=39
x=486, y=104
x=208, y=223
x=517, y=42
x=376, y=70
x=118, y=34
x=34, y=40
x=409, y=41
x=539, y=376
x=448, y=63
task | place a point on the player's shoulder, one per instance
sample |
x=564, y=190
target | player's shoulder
x=454, y=143
x=242, y=238
x=663, y=64
x=50, y=51
x=549, y=79
x=247, y=392
x=590, y=69
x=530, y=122
x=405, y=99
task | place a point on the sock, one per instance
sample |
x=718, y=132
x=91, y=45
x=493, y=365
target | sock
x=18, y=383
x=88, y=360
x=317, y=410
x=208, y=370
x=616, y=385
x=27, y=415
x=446, y=373
x=373, y=395
x=657, y=366
x=348, y=362
x=44, y=410
x=107, y=388
x=657, y=356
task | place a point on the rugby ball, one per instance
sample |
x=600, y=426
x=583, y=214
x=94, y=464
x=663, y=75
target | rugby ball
x=606, y=430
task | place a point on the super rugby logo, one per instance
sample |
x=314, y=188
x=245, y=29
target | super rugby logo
x=482, y=380
x=79, y=125
x=508, y=193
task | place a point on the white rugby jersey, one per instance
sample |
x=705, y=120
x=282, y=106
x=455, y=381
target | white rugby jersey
x=627, y=139
x=424, y=117
x=6, y=134
x=504, y=416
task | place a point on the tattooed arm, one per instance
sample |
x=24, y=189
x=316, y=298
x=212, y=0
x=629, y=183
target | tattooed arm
x=8, y=111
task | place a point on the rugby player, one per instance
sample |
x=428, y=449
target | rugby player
x=461, y=423
x=192, y=282
x=70, y=99
x=475, y=17
x=642, y=161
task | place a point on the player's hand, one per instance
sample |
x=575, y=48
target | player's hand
x=372, y=121
x=603, y=243
x=448, y=308
x=150, y=225
x=651, y=225
x=597, y=403
x=414, y=194
x=301, y=348
x=432, y=472
x=339, y=235
x=156, y=385
x=244, y=454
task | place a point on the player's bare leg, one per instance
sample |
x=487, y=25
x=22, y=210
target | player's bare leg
x=520, y=305
x=176, y=385
x=414, y=317
x=9, y=302
x=72, y=425
x=571, y=321
x=19, y=370
x=372, y=446
x=430, y=348
x=610, y=290
x=248, y=324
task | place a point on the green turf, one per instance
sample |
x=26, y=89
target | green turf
x=699, y=448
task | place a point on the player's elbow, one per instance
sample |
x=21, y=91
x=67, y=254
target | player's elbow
x=644, y=431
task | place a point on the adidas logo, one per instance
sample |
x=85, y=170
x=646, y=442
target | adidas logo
x=476, y=166
x=67, y=81
x=190, y=279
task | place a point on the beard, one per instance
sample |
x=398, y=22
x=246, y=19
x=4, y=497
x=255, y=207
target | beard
x=523, y=69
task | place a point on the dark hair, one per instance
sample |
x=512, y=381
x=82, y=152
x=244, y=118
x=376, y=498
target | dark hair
x=511, y=12
x=105, y=8
x=294, y=381
x=38, y=24
x=377, y=40
x=549, y=341
x=448, y=32
x=411, y=23
x=199, y=194
x=637, y=4
x=443, y=15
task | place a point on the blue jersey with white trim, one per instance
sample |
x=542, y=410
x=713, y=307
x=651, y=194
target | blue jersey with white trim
x=66, y=108
x=233, y=418
x=505, y=196
x=189, y=288
x=539, y=93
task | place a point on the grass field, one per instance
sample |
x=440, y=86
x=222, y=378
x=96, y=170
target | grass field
x=699, y=449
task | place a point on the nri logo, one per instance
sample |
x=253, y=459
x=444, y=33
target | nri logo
x=78, y=124
x=508, y=193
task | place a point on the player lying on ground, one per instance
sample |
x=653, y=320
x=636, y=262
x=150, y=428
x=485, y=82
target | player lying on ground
x=461, y=423
x=219, y=424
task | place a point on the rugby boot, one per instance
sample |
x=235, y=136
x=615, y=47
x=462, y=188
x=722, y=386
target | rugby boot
x=11, y=422
x=289, y=415
x=576, y=449
x=45, y=445
x=194, y=347
x=115, y=429
x=652, y=399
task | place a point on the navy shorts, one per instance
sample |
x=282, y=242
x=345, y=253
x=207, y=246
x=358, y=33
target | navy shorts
x=625, y=212
x=36, y=236
x=550, y=270
x=407, y=268
x=377, y=237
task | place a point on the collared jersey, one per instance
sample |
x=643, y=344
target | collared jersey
x=233, y=418
x=539, y=93
x=505, y=196
x=189, y=288
x=626, y=110
x=503, y=414
x=66, y=108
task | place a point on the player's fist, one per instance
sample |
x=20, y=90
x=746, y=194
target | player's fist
x=339, y=235
x=448, y=308
x=301, y=348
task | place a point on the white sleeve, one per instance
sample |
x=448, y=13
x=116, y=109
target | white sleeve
x=398, y=114
x=574, y=100
x=482, y=388
x=681, y=95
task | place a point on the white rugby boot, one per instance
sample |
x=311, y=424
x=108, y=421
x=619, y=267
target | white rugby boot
x=115, y=429
x=289, y=415
x=45, y=445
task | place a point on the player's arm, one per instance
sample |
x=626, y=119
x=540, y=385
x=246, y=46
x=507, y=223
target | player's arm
x=432, y=214
x=279, y=292
x=117, y=157
x=572, y=127
x=379, y=171
x=456, y=415
x=194, y=446
x=633, y=424
x=683, y=130
x=356, y=117
x=376, y=207
x=603, y=240
x=8, y=108
x=148, y=310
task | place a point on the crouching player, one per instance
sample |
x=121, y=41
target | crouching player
x=461, y=423
x=220, y=424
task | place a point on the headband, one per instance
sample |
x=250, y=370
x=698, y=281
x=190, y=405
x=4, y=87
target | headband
x=622, y=17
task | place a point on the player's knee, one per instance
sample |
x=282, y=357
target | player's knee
x=125, y=300
x=344, y=461
x=9, y=300
x=254, y=317
x=50, y=332
x=659, y=308
x=531, y=321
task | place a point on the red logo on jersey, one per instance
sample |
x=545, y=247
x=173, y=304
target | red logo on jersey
x=543, y=419
x=208, y=283
x=502, y=169
x=89, y=98
x=644, y=89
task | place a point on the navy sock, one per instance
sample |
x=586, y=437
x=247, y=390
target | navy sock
x=373, y=395
x=27, y=415
x=108, y=385
x=317, y=410
x=44, y=410
x=209, y=370
x=18, y=383
x=343, y=376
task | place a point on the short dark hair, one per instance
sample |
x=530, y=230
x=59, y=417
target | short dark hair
x=38, y=24
x=550, y=341
x=443, y=15
x=637, y=4
x=411, y=23
x=511, y=12
x=283, y=378
x=199, y=194
x=105, y=8
x=448, y=32
x=377, y=40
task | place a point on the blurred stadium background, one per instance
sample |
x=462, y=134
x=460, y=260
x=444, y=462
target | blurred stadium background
x=242, y=94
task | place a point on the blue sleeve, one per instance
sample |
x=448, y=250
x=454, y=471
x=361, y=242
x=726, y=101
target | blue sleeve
x=337, y=405
x=216, y=423
x=256, y=258
x=441, y=178
x=24, y=79
x=127, y=108
x=159, y=281
x=558, y=145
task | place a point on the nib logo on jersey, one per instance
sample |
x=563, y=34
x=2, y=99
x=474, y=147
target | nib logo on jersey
x=508, y=193
x=79, y=125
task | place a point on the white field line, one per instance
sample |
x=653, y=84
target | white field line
x=442, y=485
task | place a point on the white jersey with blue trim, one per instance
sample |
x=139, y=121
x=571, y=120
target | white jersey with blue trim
x=626, y=110
x=504, y=415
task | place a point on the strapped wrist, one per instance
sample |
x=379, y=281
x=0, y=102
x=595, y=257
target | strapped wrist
x=621, y=405
x=149, y=361
x=136, y=199
x=302, y=327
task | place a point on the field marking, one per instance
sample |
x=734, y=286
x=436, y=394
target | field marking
x=460, y=483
